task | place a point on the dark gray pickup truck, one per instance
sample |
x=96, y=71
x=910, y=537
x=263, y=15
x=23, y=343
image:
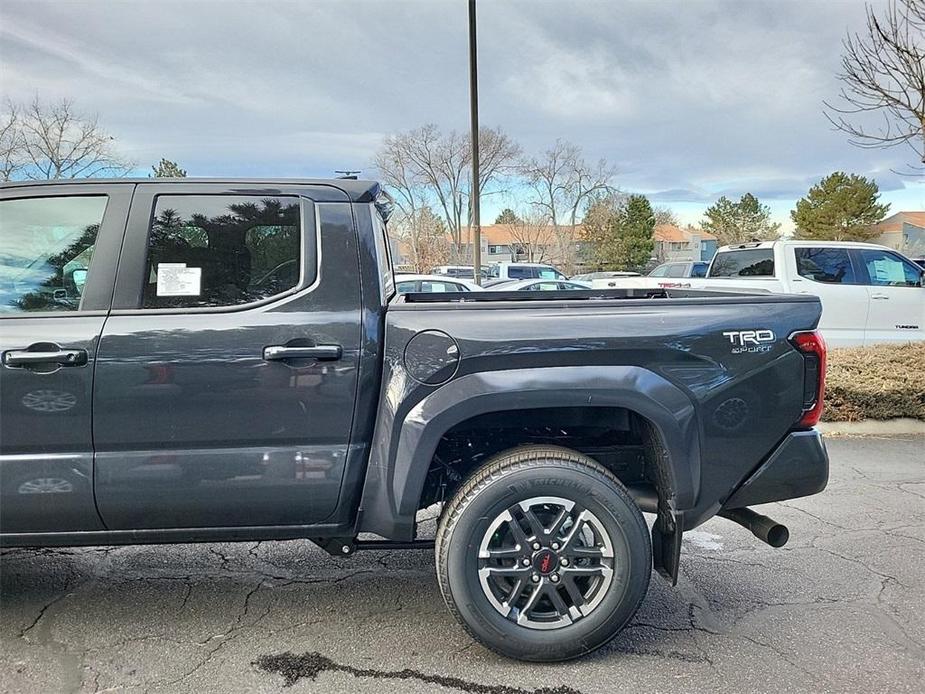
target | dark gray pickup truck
x=190, y=360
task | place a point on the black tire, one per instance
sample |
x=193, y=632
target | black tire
x=531, y=475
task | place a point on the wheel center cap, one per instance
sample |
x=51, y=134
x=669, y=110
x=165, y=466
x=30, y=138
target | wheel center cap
x=545, y=562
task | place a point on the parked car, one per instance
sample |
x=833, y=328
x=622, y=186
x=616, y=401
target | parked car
x=696, y=268
x=537, y=285
x=523, y=271
x=870, y=294
x=461, y=271
x=237, y=365
x=405, y=283
x=591, y=276
x=670, y=274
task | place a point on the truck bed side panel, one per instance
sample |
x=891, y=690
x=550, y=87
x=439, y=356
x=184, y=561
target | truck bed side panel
x=744, y=399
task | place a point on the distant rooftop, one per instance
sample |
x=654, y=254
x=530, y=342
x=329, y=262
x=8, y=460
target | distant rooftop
x=894, y=222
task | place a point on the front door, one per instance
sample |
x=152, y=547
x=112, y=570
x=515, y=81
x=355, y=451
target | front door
x=59, y=245
x=897, y=298
x=227, y=373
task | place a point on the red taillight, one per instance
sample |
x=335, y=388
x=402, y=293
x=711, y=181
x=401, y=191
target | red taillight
x=812, y=346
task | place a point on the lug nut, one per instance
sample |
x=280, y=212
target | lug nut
x=555, y=545
x=525, y=562
x=536, y=545
x=535, y=578
x=554, y=578
x=564, y=561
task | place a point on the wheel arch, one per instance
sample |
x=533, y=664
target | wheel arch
x=404, y=448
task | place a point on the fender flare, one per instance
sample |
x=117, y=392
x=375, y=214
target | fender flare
x=402, y=453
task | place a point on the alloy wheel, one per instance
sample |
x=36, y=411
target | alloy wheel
x=546, y=562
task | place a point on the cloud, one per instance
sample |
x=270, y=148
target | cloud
x=679, y=195
x=688, y=100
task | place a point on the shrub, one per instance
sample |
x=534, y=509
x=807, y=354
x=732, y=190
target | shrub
x=880, y=382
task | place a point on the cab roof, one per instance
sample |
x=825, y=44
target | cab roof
x=797, y=242
x=356, y=190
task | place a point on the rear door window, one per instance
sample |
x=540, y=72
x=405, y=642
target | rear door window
x=751, y=262
x=827, y=265
x=437, y=286
x=45, y=249
x=222, y=250
x=519, y=273
x=677, y=270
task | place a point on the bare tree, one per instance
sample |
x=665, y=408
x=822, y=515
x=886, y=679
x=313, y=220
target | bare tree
x=59, y=142
x=665, y=215
x=532, y=234
x=883, y=73
x=399, y=175
x=423, y=238
x=11, y=143
x=426, y=166
x=562, y=185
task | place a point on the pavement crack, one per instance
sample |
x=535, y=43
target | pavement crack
x=311, y=664
x=811, y=515
x=42, y=611
x=902, y=488
x=783, y=656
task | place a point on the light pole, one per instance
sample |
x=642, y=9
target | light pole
x=474, y=123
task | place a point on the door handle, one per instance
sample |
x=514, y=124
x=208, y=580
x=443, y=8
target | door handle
x=319, y=352
x=62, y=357
x=879, y=296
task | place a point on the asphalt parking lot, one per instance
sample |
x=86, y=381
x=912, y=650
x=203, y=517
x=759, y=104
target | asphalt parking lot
x=840, y=609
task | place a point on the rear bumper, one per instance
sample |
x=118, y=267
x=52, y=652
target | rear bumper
x=799, y=466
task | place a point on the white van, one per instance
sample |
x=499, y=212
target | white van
x=524, y=271
x=870, y=294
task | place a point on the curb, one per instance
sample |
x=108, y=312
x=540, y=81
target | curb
x=874, y=427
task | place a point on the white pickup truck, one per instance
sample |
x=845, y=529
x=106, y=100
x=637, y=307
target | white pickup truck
x=870, y=294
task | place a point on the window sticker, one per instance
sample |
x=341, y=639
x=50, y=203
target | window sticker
x=175, y=279
x=888, y=271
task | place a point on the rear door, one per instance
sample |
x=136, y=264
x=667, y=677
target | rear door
x=227, y=374
x=897, y=298
x=59, y=246
x=829, y=273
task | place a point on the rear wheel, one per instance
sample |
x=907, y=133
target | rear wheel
x=542, y=554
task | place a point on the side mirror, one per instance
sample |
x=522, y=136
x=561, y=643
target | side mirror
x=80, y=279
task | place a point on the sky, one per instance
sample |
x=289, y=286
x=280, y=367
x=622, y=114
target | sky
x=688, y=100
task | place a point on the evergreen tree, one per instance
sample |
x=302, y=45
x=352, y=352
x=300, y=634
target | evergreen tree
x=619, y=234
x=841, y=207
x=508, y=216
x=168, y=169
x=738, y=222
x=636, y=226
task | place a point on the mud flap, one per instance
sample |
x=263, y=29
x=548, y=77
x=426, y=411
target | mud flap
x=666, y=547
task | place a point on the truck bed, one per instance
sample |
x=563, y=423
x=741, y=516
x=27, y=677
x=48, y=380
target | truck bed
x=595, y=295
